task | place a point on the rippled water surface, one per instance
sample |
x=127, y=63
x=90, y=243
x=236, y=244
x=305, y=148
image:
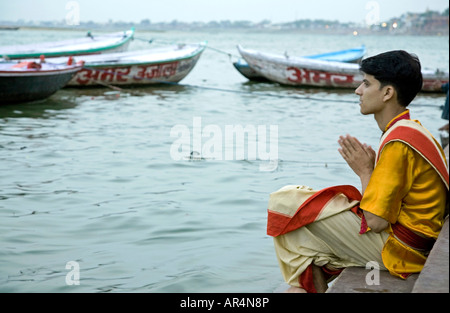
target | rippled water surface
x=92, y=180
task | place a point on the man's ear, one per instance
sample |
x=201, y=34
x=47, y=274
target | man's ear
x=389, y=92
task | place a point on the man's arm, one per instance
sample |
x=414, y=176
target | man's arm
x=361, y=159
x=376, y=223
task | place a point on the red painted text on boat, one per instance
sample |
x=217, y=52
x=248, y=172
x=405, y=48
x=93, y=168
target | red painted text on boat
x=128, y=74
x=156, y=71
x=297, y=75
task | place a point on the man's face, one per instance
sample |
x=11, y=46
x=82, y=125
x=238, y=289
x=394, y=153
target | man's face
x=370, y=95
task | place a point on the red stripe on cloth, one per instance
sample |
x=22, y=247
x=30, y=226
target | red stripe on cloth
x=330, y=273
x=404, y=116
x=421, y=144
x=278, y=224
x=411, y=239
x=364, y=227
x=275, y=223
x=306, y=280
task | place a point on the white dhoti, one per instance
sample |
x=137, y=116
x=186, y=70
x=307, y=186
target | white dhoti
x=320, y=228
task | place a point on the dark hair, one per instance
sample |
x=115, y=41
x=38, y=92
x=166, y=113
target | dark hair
x=399, y=69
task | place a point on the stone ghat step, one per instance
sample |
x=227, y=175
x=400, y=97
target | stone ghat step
x=353, y=280
x=434, y=277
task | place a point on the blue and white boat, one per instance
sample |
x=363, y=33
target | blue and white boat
x=303, y=71
x=353, y=55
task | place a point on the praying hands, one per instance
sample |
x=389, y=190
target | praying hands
x=360, y=157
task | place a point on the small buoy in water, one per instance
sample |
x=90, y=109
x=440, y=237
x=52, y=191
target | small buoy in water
x=195, y=156
x=112, y=95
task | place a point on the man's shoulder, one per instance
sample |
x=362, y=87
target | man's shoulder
x=409, y=131
x=413, y=134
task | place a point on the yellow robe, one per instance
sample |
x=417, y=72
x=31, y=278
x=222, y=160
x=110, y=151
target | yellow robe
x=405, y=188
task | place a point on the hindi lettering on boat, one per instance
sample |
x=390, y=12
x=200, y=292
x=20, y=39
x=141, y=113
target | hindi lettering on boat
x=159, y=65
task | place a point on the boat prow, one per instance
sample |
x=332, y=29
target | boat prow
x=31, y=81
x=353, y=55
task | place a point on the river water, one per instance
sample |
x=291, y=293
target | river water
x=105, y=187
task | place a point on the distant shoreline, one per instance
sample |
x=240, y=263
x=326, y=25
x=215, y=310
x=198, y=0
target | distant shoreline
x=428, y=23
x=9, y=27
x=351, y=31
x=57, y=28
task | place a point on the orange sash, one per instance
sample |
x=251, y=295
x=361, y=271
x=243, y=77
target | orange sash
x=418, y=138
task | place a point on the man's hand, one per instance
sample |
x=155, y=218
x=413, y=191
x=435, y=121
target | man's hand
x=360, y=157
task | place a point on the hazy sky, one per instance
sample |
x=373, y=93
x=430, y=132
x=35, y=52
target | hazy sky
x=209, y=10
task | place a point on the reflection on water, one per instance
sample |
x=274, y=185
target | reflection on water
x=38, y=109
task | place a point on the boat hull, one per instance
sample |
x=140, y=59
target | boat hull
x=138, y=68
x=353, y=55
x=297, y=71
x=31, y=86
x=317, y=73
x=97, y=44
x=248, y=72
x=139, y=74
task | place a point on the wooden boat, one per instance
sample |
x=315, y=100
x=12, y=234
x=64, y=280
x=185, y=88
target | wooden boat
x=168, y=64
x=29, y=81
x=301, y=71
x=9, y=27
x=353, y=55
x=91, y=44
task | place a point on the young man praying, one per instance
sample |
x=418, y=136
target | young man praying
x=396, y=218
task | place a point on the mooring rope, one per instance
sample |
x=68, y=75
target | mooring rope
x=230, y=55
x=263, y=94
x=152, y=40
x=249, y=93
x=243, y=92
